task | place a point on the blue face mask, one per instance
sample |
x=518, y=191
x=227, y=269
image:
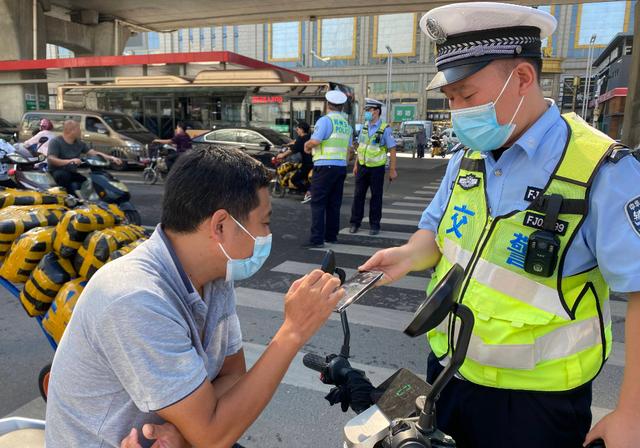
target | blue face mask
x=368, y=115
x=478, y=128
x=246, y=267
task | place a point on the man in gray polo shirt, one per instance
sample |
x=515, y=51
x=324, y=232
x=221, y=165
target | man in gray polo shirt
x=155, y=337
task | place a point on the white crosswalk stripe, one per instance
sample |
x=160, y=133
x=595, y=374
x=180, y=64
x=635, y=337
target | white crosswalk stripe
x=425, y=193
x=398, y=211
x=402, y=222
x=299, y=268
x=350, y=249
x=427, y=199
x=408, y=204
x=383, y=234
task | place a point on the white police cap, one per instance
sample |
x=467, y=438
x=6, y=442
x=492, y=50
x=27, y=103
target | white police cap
x=470, y=35
x=370, y=102
x=336, y=97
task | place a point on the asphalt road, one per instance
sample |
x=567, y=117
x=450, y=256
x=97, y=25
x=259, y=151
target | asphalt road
x=298, y=410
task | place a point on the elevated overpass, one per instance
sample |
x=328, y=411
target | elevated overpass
x=101, y=28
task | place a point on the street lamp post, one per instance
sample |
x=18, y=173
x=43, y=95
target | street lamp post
x=587, y=84
x=389, y=74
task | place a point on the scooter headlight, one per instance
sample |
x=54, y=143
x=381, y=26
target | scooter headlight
x=119, y=185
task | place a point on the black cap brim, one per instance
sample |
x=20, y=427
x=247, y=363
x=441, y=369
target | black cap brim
x=454, y=74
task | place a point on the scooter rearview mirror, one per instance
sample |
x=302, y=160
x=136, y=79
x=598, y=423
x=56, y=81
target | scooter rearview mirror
x=439, y=303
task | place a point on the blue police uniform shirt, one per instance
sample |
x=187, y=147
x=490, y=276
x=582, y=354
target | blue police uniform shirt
x=610, y=234
x=387, y=136
x=322, y=131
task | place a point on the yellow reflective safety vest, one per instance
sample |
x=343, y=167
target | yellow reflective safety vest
x=531, y=332
x=371, y=152
x=336, y=146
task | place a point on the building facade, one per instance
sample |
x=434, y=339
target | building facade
x=355, y=50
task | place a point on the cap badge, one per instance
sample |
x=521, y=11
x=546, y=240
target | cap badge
x=435, y=31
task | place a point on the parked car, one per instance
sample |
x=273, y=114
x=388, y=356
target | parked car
x=110, y=132
x=260, y=143
x=8, y=131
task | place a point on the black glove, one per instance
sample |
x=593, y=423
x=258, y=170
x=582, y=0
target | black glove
x=355, y=392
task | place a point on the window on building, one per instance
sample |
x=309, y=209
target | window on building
x=337, y=38
x=213, y=37
x=546, y=42
x=396, y=31
x=591, y=20
x=153, y=41
x=285, y=41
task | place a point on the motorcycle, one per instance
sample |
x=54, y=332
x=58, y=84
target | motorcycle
x=100, y=185
x=156, y=165
x=404, y=411
x=282, y=182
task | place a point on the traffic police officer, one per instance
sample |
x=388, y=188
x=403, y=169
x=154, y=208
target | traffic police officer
x=374, y=141
x=329, y=145
x=543, y=212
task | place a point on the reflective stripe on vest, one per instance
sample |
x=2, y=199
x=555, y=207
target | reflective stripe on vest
x=335, y=147
x=372, y=154
x=530, y=332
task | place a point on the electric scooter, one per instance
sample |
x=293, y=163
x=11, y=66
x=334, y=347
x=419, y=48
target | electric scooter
x=404, y=413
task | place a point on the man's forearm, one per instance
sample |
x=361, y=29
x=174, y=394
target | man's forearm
x=422, y=250
x=223, y=384
x=629, y=401
x=392, y=159
x=238, y=408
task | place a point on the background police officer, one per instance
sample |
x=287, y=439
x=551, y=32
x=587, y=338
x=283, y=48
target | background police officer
x=330, y=145
x=374, y=141
x=528, y=176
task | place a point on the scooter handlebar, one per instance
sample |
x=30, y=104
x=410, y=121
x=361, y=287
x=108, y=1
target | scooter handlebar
x=314, y=362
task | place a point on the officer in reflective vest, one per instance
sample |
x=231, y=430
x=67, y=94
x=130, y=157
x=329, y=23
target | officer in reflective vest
x=374, y=141
x=329, y=145
x=543, y=213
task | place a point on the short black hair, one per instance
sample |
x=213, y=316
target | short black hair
x=304, y=126
x=208, y=179
x=335, y=107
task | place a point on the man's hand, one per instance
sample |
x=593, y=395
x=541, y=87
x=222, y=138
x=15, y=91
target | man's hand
x=355, y=169
x=74, y=161
x=618, y=430
x=115, y=160
x=394, y=262
x=165, y=436
x=309, y=303
x=281, y=156
x=393, y=174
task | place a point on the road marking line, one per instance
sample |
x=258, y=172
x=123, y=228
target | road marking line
x=401, y=212
x=400, y=222
x=408, y=204
x=383, y=234
x=371, y=316
x=426, y=193
x=350, y=249
x=417, y=198
x=299, y=268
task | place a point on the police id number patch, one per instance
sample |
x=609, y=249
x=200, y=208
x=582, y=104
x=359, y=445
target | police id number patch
x=469, y=181
x=537, y=222
x=633, y=213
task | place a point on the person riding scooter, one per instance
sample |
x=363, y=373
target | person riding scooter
x=180, y=140
x=37, y=141
x=64, y=156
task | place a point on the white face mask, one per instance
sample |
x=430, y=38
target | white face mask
x=246, y=267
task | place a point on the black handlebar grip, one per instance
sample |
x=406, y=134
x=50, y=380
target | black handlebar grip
x=598, y=443
x=314, y=362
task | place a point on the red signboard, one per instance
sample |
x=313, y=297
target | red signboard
x=266, y=100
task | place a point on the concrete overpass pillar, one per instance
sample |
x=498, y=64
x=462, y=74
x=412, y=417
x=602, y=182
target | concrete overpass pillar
x=16, y=42
x=631, y=125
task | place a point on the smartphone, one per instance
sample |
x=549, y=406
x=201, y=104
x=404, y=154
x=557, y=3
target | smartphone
x=356, y=287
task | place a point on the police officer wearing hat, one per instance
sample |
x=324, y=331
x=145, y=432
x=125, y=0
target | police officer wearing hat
x=329, y=145
x=374, y=141
x=543, y=213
